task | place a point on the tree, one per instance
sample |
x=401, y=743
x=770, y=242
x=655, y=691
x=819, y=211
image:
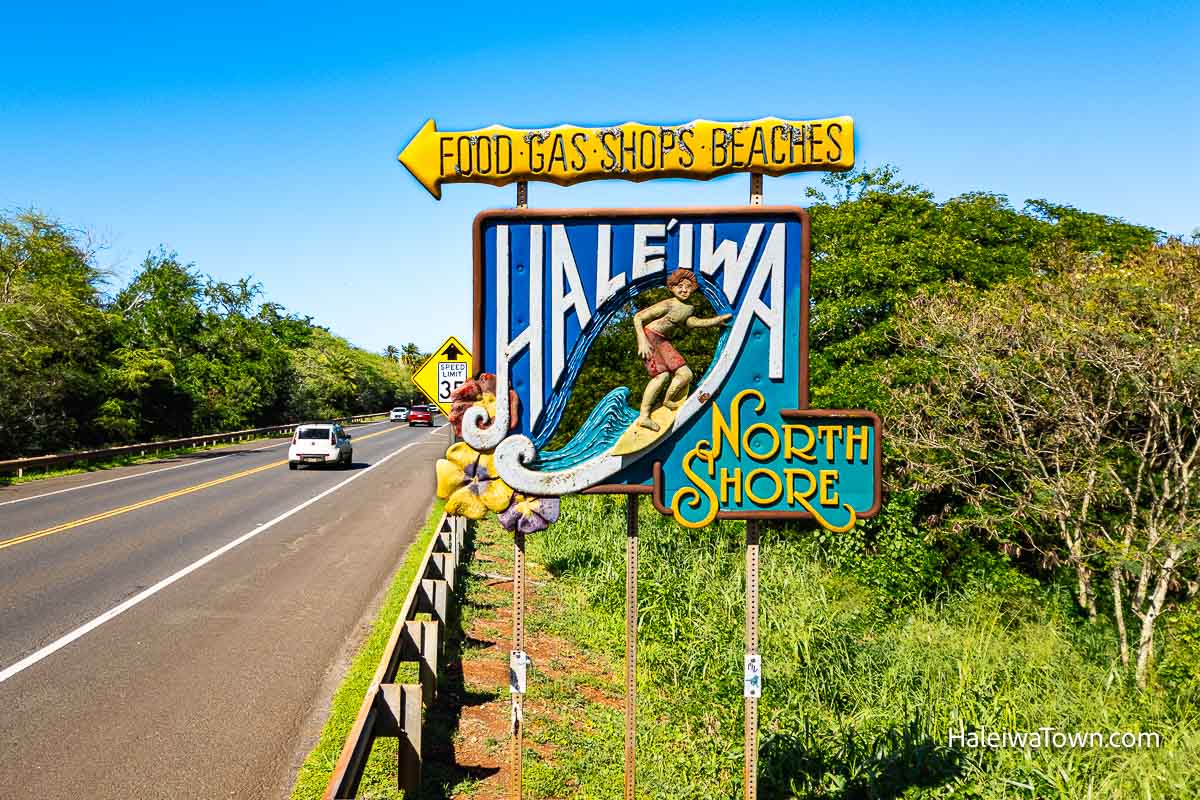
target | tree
x=878, y=241
x=1063, y=411
x=52, y=328
x=237, y=371
x=292, y=331
x=159, y=318
x=411, y=355
x=173, y=353
x=1153, y=311
x=1009, y=417
x=391, y=352
x=334, y=379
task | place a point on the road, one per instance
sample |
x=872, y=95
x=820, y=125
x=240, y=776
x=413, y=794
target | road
x=176, y=629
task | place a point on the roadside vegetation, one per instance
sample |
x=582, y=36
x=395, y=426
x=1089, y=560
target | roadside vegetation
x=172, y=353
x=871, y=659
x=1035, y=564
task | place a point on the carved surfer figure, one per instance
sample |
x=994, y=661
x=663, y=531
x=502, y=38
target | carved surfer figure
x=654, y=326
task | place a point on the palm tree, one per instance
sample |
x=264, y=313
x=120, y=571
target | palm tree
x=392, y=352
x=411, y=355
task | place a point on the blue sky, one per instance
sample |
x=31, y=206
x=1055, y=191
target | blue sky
x=261, y=139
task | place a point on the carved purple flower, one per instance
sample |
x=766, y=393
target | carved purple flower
x=530, y=514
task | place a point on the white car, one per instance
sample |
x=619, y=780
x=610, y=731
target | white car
x=320, y=443
x=399, y=414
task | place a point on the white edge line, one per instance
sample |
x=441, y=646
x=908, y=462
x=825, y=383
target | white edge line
x=151, y=472
x=116, y=611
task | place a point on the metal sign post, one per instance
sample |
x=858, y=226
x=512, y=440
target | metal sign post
x=518, y=666
x=752, y=668
x=518, y=661
x=631, y=623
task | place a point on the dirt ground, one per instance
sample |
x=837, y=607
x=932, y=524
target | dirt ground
x=469, y=741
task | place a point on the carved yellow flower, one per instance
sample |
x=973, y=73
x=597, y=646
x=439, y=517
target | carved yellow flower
x=466, y=480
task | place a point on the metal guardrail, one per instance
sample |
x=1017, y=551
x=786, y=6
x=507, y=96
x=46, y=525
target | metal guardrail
x=19, y=465
x=395, y=710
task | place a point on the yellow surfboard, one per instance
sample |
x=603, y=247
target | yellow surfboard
x=637, y=438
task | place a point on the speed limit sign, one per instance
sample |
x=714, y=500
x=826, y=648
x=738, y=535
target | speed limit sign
x=451, y=375
x=447, y=369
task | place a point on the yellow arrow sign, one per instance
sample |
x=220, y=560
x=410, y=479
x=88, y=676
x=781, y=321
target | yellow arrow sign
x=633, y=152
x=447, y=369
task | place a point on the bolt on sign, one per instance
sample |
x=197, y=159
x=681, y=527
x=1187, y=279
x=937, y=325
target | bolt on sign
x=447, y=369
x=731, y=436
x=570, y=154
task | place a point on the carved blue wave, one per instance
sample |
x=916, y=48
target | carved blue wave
x=607, y=421
x=611, y=417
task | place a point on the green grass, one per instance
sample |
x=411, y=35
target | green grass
x=859, y=695
x=379, y=779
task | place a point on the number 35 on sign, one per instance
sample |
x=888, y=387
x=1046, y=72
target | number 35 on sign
x=447, y=369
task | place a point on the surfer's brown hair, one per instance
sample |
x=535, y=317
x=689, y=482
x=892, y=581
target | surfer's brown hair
x=679, y=276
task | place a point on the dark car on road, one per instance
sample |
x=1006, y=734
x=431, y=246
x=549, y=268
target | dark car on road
x=420, y=415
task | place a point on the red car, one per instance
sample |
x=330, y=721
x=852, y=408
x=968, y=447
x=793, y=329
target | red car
x=420, y=415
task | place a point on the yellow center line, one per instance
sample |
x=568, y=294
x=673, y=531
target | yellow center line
x=66, y=526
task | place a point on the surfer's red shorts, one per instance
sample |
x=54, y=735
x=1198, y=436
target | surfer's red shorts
x=663, y=355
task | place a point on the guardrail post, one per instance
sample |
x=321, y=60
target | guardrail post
x=433, y=598
x=444, y=565
x=422, y=640
x=446, y=536
x=403, y=701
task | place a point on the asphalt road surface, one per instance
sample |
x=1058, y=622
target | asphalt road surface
x=175, y=629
